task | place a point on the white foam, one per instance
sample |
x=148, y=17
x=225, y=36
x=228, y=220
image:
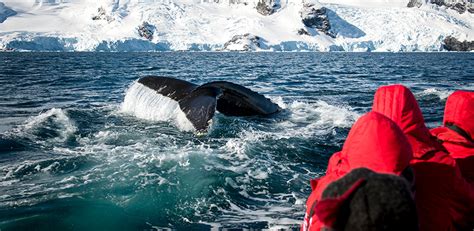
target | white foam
x=235, y=215
x=302, y=120
x=279, y=101
x=145, y=103
x=318, y=118
x=305, y=120
x=258, y=174
x=337, y=115
x=49, y=168
x=442, y=94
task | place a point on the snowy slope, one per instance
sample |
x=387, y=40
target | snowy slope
x=401, y=28
x=368, y=3
x=358, y=25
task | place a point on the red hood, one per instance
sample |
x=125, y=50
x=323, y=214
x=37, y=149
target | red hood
x=445, y=134
x=375, y=142
x=459, y=110
x=458, y=146
x=399, y=104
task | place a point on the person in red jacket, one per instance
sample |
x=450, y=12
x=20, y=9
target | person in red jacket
x=444, y=199
x=457, y=133
x=374, y=142
x=364, y=200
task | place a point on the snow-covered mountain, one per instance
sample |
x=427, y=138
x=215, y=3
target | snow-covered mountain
x=214, y=25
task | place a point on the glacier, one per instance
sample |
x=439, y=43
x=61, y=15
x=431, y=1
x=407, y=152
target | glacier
x=227, y=25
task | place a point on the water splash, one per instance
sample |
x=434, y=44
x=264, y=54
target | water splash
x=441, y=94
x=145, y=103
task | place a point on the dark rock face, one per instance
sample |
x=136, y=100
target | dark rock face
x=414, y=3
x=267, y=7
x=438, y=2
x=452, y=44
x=146, y=30
x=303, y=32
x=102, y=15
x=460, y=7
x=245, y=42
x=315, y=16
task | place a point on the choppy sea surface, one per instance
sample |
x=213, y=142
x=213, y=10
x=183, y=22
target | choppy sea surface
x=73, y=157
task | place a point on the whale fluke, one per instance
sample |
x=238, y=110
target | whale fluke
x=170, y=87
x=237, y=100
x=199, y=103
x=199, y=106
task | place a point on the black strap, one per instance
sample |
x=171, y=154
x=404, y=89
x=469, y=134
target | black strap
x=458, y=130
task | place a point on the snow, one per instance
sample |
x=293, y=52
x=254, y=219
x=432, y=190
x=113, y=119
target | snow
x=400, y=29
x=197, y=25
x=369, y=3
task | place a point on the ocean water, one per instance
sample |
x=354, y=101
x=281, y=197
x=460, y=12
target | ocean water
x=73, y=156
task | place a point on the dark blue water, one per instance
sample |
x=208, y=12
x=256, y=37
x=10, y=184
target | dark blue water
x=73, y=158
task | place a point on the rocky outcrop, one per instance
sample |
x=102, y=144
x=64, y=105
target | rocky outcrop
x=102, y=15
x=315, y=16
x=414, y=3
x=267, y=7
x=146, y=30
x=460, y=7
x=5, y=12
x=452, y=44
x=303, y=31
x=245, y=42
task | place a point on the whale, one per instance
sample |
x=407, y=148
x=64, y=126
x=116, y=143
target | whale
x=200, y=102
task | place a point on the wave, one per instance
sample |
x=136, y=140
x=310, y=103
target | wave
x=308, y=119
x=302, y=121
x=255, y=182
x=145, y=103
x=249, y=155
x=58, y=165
x=322, y=114
x=51, y=126
x=441, y=94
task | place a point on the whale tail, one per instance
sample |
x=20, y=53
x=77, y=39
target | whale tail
x=199, y=103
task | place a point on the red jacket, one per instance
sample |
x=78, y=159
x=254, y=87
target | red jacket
x=457, y=133
x=444, y=199
x=374, y=142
